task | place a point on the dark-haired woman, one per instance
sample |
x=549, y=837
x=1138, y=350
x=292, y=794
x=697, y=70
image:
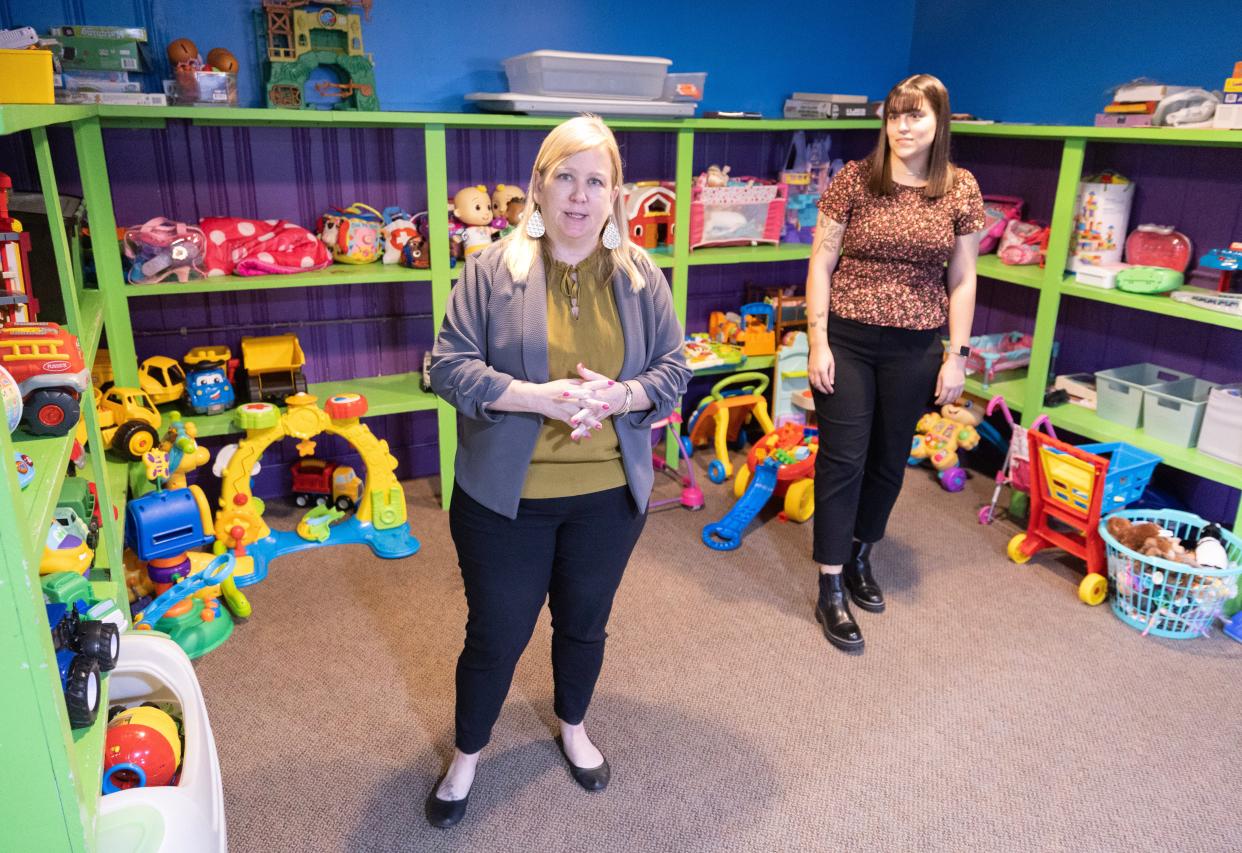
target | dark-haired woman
x=893, y=260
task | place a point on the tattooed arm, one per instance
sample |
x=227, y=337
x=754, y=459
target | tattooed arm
x=825, y=250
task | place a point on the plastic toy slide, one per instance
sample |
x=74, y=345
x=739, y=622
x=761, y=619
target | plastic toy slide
x=726, y=534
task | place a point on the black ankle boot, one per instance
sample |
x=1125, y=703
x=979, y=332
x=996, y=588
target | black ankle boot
x=862, y=586
x=832, y=612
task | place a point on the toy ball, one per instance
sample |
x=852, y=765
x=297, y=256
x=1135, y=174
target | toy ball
x=222, y=59
x=136, y=756
x=182, y=50
x=154, y=718
x=10, y=399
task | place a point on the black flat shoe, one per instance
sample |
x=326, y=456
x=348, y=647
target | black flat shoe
x=590, y=778
x=445, y=813
x=864, y=591
x=832, y=611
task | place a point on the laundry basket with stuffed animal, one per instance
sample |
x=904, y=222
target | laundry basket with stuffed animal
x=1164, y=597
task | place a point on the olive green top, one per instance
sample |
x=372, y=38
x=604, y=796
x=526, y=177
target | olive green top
x=561, y=467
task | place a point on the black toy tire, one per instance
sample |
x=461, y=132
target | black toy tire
x=51, y=397
x=82, y=691
x=126, y=432
x=101, y=641
x=343, y=503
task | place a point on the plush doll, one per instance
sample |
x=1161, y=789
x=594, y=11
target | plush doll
x=472, y=226
x=1149, y=539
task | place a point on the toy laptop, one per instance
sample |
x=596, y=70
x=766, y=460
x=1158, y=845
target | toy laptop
x=1100, y=275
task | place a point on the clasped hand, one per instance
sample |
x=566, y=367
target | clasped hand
x=582, y=403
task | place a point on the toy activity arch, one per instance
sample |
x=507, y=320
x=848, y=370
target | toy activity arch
x=380, y=520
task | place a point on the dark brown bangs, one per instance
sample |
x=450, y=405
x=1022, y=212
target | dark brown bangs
x=904, y=99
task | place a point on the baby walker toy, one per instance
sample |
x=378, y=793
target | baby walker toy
x=782, y=464
x=1015, y=472
x=691, y=496
x=1074, y=486
x=938, y=438
x=380, y=519
x=722, y=414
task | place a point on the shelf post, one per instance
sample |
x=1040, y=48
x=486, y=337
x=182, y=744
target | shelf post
x=97, y=193
x=435, y=152
x=1054, y=272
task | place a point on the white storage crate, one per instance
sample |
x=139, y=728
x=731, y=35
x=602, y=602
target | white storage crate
x=559, y=72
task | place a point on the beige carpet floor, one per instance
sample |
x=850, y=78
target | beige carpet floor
x=990, y=711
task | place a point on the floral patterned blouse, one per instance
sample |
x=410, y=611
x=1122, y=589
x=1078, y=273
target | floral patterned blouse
x=892, y=266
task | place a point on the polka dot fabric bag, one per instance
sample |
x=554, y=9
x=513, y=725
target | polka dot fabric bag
x=261, y=247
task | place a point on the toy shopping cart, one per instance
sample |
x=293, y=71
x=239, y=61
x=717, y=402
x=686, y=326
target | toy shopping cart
x=1073, y=485
x=1016, y=469
x=1167, y=598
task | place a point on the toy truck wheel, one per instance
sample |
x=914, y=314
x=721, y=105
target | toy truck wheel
x=133, y=439
x=51, y=412
x=254, y=388
x=1014, y=549
x=800, y=501
x=299, y=382
x=82, y=691
x=1093, y=589
x=344, y=504
x=101, y=641
x=716, y=472
x=301, y=500
x=741, y=480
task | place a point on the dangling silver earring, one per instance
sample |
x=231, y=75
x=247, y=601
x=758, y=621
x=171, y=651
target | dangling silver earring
x=612, y=236
x=534, y=226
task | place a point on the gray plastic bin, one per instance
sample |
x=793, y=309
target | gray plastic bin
x=1119, y=391
x=1173, y=411
x=1221, y=435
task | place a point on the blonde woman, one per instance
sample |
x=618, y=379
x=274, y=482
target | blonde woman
x=559, y=349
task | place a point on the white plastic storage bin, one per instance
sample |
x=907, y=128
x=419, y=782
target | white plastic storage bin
x=684, y=86
x=1119, y=391
x=1173, y=411
x=558, y=72
x=1221, y=433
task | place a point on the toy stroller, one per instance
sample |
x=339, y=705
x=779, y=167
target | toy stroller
x=1016, y=470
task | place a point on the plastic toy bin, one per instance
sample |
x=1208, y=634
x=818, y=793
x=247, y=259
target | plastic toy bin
x=1173, y=411
x=1129, y=472
x=1119, y=391
x=1221, y=432
x=1164, y=598
x=737, y=215
x=26, y=77
x=558, y=72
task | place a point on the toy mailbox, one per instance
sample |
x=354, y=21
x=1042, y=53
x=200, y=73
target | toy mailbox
x=167, y=523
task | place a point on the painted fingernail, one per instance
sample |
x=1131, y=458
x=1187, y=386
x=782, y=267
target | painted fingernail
x=606, y=407
x=611, y=383
x=574, y=422
x=566, y=394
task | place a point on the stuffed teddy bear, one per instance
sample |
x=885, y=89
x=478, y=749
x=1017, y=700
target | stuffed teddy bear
x=1150, y=540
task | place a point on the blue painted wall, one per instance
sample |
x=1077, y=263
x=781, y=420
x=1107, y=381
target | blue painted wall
x=429, y=54
x=1054, y=62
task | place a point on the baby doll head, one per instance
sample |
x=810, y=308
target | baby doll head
x=503, y=199
x=472, y=206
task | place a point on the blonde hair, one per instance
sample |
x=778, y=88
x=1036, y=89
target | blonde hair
x=919, y=90
x=578, y=134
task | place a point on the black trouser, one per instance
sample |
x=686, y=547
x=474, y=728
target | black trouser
x=884, y=378
x=571, y=551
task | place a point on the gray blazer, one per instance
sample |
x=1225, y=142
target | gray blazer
x=496, y=330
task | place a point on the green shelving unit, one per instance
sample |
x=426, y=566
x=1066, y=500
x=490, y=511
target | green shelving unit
x=56, y=805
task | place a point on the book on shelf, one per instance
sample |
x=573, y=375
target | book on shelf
x=828, y=98
x=1122, y=120
x=1146, y=92
x=99, y=32
x=1141, y=107
x=127, y=99
x=81, y=81
x=825, y=109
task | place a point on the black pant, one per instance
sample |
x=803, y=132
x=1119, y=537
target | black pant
x=571, y=551
x=884, y=378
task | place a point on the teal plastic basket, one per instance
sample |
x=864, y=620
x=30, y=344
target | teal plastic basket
x=1164, y=598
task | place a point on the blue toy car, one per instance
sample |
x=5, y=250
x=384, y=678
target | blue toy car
x=83, y=650
x=208, y=389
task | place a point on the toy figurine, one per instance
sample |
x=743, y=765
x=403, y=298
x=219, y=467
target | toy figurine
x=471, y=221
x=507, y=203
